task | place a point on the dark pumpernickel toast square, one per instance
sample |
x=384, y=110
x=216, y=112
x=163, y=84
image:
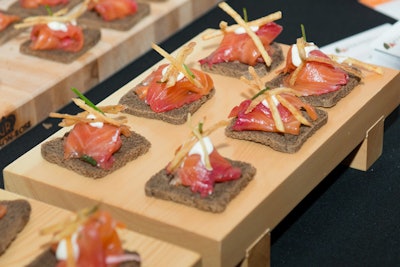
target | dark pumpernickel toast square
x=137, y=107
x=159, y=187
x=10, y=32
x=92, y=19
x=132, y=147
x=17, y=216
x=92, y=37
x=325, y=100
x=282, y=142
x=237, y=69
x=16, y=8
x=48, y=259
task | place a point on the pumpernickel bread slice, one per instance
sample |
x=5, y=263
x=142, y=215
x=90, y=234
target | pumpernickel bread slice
x=325, y=100
x=132, y=147
x=237, y=69
x=17, y=216
x=93, y=19
x=48, y=259
x=135, y=106
x=92, y=37
x=282, y=142
x=16, y=8
x=159, y=187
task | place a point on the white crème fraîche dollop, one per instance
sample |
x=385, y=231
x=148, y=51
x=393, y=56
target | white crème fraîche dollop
x=197, y=148
x=296, y=60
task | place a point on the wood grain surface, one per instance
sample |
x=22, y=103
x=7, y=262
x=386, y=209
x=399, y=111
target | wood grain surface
x=281, y=182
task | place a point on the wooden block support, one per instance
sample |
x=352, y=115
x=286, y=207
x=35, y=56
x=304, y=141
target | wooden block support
x=370, y=149
x=259, y=253
x=281, y=182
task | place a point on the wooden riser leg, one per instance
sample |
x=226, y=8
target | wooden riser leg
x=370, y=149
x=259, y=253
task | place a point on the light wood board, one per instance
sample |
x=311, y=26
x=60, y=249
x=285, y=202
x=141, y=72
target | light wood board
x=281, y=182
x=30, y=87
x=30, y=243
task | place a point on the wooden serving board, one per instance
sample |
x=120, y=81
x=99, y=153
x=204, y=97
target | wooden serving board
x=282, y=180
x=30, y=87
x=30, y=243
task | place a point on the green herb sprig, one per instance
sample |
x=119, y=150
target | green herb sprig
x=303, y=32
x=87, y=101
x=245, y=17
x=89, y=160
x=48, y=9
x=260, y=93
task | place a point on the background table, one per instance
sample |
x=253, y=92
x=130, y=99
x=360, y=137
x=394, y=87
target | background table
x=352, y=216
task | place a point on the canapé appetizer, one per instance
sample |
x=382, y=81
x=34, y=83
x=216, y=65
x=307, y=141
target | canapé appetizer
x=97, y=144
x=90, y=238
x=245, y=44
x=58, y=37
x=171, y=91
x=274, y=117
x=199, y=176
x=320, y=79
x=119, y=15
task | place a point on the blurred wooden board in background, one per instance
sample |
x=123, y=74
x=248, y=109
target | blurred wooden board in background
x=31, y=87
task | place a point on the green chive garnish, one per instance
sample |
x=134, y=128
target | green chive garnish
x=245, y=18
x=189, y=71
x=49, y=11
x=201, y=127
x=89, y=160
x=303, y=32
x=87, y=101
x=260, y=93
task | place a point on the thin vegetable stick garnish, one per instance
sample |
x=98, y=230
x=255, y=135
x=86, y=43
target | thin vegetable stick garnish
x=197, y=134
x=348, y=64
x=357, y=63
x=98, y=112
x=60, y=16
x=267, y=95
x=247, y=27
x=177, y=65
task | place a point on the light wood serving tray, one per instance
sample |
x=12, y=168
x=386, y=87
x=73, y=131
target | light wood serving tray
x=282, y=180
x=29, y=243
x=30, y=87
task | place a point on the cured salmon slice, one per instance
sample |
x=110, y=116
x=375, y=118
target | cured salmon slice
x=111, y=10
x=260, y=117
x=161, y=98
x=193, y=173
x=314, y=77
x=6, y=20
x=240, y=47
x=99, y=144
x=44, y=38
x=37, y=3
